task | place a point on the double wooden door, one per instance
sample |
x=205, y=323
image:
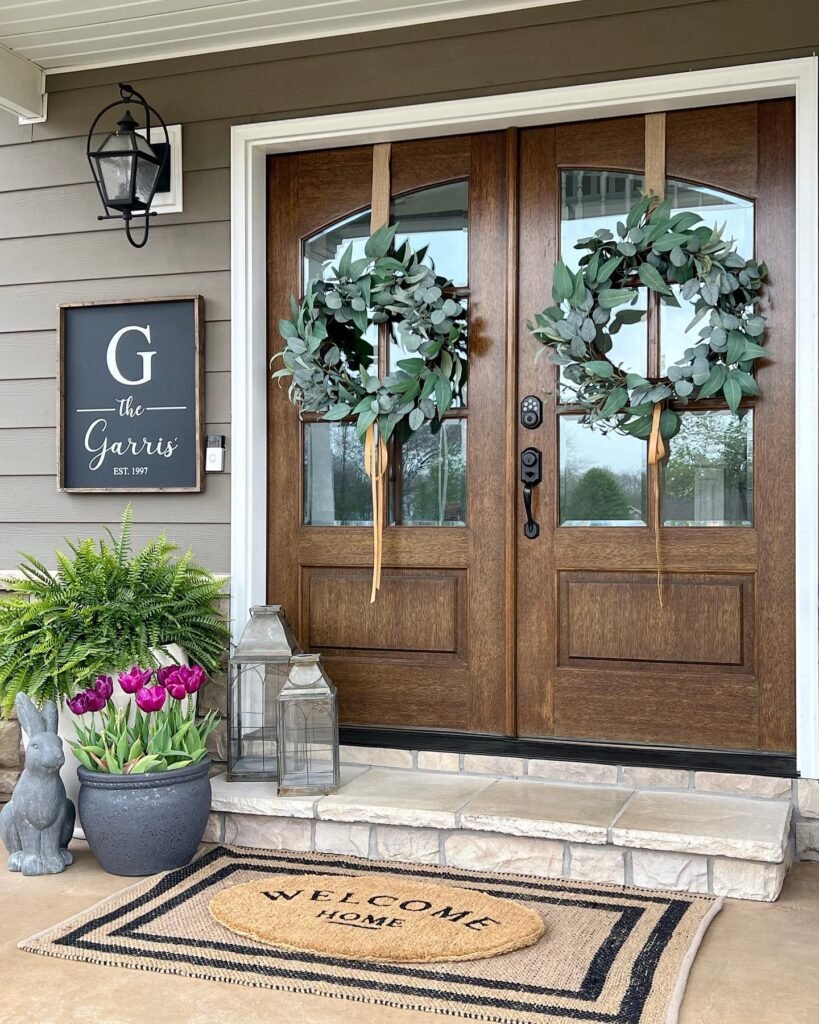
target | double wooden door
x=477, y=628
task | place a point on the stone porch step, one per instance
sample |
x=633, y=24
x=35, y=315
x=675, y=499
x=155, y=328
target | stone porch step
x=678, y=840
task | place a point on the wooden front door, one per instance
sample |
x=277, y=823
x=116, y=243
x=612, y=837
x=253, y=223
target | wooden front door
x=598, y=657
x=478, y=628
x=432, y=652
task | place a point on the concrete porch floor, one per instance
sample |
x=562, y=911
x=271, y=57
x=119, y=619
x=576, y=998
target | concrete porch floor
x=757, y=963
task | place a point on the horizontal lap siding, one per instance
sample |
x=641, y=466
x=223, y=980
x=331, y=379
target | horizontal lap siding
x=53, y=249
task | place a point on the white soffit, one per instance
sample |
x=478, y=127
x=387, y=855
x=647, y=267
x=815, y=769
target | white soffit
x=70, y=35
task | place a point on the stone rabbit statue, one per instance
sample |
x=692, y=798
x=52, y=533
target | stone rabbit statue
x=38, y=822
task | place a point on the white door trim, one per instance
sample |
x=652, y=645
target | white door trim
x=251, y=143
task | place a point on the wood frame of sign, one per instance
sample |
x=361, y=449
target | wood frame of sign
x=130, y=483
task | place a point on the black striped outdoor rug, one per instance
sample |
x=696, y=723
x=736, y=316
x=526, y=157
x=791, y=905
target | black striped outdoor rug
x=609, y=955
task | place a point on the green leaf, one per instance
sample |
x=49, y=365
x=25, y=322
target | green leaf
x=378, y=244
x=736, y=347
x=562, y=283
x=443, y=395
x=754, y=351
x=607, y=269
x=746, y=381
x=615, y=402
x=716, y=378
x=651, y=277
x=638, y=427
x=733, y=393
x=579, y=293
x=669, y=423
x=337, y=411
x=600, y=368
x=608, y=298
x=416, y=419
x=635, y=214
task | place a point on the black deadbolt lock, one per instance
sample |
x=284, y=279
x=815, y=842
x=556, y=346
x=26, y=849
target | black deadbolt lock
x=531, y=412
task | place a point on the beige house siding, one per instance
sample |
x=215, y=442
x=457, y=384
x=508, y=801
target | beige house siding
x=53, y=250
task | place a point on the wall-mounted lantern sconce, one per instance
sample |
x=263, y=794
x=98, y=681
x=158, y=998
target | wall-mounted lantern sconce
x=125, y=166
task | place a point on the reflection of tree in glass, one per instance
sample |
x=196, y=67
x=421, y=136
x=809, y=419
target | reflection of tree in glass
x=597, y=494
x=433, y=485
x=351, y=485
x=711, y=441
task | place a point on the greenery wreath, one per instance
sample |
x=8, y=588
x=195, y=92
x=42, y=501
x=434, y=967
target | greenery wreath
x=329, y=359
x=659, y=251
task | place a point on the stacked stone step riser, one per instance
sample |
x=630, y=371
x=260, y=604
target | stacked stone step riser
x=546, y=858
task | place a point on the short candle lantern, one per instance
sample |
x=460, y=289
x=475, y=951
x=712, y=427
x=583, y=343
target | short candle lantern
x=308, y=730
x=256, y=673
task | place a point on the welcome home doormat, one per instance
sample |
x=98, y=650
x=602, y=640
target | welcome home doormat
x=383, y=918
x=608, y=955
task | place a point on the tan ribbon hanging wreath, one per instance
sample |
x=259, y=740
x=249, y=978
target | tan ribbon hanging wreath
x=330, y=363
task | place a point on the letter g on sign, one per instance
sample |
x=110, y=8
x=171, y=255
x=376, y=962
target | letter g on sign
x=147, y=357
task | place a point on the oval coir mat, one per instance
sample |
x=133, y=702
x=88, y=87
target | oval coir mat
x=382, y=918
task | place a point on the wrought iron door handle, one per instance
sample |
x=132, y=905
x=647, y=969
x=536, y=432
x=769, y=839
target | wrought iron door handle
x=531, y=473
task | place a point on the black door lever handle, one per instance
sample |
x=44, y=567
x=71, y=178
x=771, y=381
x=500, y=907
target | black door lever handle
x=531, y=529
x=531, y=473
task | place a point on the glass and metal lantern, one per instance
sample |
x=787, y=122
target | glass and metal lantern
x=308, y=730
x=125, y=166
x=256, y=673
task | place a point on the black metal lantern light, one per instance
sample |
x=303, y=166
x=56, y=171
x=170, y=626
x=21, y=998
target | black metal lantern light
x=125, y=166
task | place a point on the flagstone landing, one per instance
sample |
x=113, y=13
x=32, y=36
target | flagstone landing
x=660, y=831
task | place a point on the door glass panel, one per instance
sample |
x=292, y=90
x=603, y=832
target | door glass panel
x=430, y=488
x=437, y=217
x=591, y=200
x=323, y=250
x=336, y=488
x=708, y=479
x=715, y=208
x=602, y=477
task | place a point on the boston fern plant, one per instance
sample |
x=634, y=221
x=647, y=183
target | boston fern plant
x=104, y=608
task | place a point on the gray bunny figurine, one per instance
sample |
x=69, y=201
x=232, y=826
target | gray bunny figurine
x=37, y=824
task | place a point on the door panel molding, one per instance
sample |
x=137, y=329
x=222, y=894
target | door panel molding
x=252, y=143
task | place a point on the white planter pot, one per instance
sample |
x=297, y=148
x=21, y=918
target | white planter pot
x=66, y=720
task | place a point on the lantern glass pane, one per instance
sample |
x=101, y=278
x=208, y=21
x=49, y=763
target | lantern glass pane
x=146, y=178
x=115, y=176
x=307, y=759
x=254, y=690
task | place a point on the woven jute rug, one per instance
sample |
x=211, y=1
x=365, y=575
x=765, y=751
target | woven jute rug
x=608, y=955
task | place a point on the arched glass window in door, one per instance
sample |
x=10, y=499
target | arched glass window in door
x=428, y=472
x=708, y=477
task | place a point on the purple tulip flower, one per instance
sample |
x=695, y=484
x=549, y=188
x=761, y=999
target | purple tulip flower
x=135, y=678
x=94, y=701
x=164, y=672
x=194, y=677
x=104, y=686
x=78, y=704
x=184, y=680
x=176, y=688
x=150, y=698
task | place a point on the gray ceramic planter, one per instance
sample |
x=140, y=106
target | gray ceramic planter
x=142, y=824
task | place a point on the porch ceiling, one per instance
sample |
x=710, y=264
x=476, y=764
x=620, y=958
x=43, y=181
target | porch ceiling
x=67, y=35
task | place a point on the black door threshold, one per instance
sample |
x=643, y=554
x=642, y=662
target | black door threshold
x=746, y=762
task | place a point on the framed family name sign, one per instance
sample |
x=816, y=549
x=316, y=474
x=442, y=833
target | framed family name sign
x=131, y=395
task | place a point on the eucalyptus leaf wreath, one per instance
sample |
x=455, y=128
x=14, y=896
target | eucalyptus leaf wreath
x=329, y=359
x=664, y=253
